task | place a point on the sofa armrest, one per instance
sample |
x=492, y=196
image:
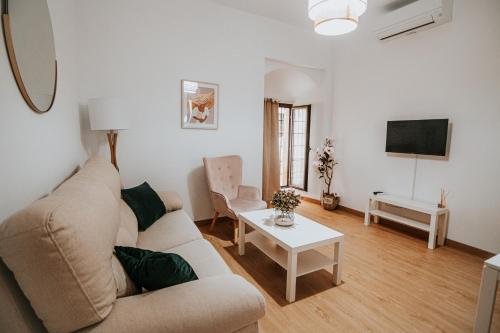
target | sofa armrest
x=223, y=303
x=249, y=192
x=172, y=200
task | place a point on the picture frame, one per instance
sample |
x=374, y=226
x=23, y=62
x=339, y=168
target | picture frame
x=199, y=105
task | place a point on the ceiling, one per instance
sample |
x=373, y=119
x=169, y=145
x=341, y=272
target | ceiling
x=294, y=12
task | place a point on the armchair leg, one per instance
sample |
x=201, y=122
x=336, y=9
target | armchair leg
x=213, y=221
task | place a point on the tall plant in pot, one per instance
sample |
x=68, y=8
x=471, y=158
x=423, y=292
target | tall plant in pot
x=324, y=164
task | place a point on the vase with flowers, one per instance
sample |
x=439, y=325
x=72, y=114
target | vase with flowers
x=284, y=203
x=324, y=164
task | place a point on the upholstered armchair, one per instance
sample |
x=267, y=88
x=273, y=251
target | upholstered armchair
x=229, y=196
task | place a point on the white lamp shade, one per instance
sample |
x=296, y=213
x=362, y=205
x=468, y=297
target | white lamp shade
x=326, y=9
x=107, y=114
x=336, y=26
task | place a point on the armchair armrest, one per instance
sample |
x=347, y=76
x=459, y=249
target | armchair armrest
x=220, y=202
x=223, y=303
x=249, y=192
x=171, y=200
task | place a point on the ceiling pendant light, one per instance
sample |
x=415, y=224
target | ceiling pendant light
x=336, y=17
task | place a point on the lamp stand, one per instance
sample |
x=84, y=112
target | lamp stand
x=112, y=140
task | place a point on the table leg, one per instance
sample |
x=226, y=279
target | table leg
x=443, y=230
x=432, y=232
x=338, y=258
x=291, y=276
x=241, y=240
x=486, y=300
x=376, y=219
x=367, y=212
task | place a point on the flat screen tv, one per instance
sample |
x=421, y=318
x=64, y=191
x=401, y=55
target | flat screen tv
x=422, y=137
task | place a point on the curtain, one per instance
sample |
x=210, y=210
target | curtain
x=271, y=161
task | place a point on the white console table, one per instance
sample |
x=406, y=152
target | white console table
x=432, y=228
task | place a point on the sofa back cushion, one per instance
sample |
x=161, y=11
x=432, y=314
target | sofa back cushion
x=102, y=171
x=60, y=251
x=128, y=231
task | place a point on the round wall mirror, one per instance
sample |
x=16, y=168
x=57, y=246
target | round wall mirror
x=30, y=46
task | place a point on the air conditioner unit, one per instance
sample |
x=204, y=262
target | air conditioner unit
x=417, y=16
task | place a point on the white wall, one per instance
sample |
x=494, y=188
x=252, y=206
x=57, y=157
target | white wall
x=140, y=50
x=303, y=86
x=40, y=151
x=453, y=72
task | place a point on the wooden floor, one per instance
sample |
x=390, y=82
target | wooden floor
x=391, y=282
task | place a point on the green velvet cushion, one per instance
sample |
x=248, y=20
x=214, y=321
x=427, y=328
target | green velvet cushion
x=154, y=270
x=145, y=203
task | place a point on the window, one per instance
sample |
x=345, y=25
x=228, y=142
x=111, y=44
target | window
x=294, y=145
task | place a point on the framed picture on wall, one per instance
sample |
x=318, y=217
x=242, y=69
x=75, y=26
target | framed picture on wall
x=200, y=105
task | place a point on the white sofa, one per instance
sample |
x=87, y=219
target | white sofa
x=65, y=277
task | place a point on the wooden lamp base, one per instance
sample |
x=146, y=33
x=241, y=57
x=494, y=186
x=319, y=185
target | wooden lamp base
x=112, y=140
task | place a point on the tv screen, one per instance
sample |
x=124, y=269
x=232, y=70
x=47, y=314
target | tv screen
x=423, y=137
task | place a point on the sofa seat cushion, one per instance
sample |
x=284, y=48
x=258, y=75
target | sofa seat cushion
x=217, y=304
x=172, y=229
x=202, y=257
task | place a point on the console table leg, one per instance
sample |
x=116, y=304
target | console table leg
x=376, y=219
x=442, y=229
x=367, y=212
x=291, y=276
x=432, y=232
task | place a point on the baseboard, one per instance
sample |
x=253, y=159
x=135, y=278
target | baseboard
x=415, y=232
x=208, y=221
x=312, y=200
x=352, y=211
x=201, y=222
x=469, y=249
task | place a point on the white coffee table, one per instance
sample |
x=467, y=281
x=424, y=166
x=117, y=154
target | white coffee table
x=292, y=247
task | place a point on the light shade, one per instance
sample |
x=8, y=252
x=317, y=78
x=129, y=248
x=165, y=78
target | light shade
x=107, y=114
x=323, y=9
x=336, y=17
x=336, y=26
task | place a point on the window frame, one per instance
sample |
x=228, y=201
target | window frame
x=307, y=149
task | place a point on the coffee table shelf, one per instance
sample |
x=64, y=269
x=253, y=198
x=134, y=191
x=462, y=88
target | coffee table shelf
x=294, y=247
x=307, y=262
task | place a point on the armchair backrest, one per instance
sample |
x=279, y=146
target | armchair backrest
x=224, y=174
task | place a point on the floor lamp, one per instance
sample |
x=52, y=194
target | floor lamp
x=107, y=114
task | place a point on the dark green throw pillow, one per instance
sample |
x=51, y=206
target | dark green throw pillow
x=154, y=270
x=145, y=203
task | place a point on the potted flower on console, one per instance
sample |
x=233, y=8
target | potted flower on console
x=324, y=164
x=284, y=203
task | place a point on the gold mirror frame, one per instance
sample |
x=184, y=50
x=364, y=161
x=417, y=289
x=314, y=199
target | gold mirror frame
x=13, y=62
